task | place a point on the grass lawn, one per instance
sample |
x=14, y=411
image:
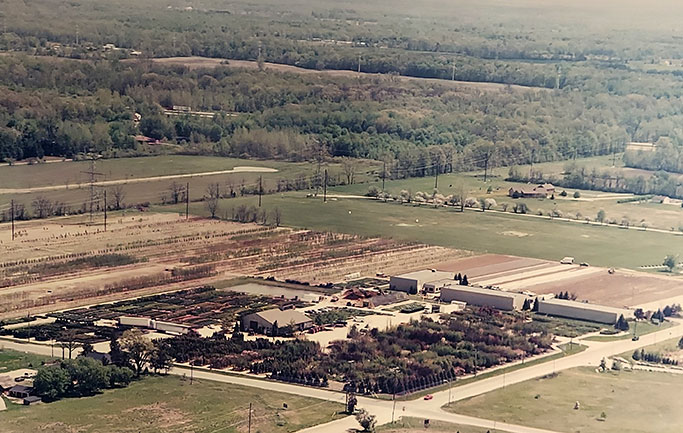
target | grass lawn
x=170, y=404
x=642, y=328
x=413, y=425
x=475, y=231
x=13, y=360
x=665, y=348
x=633, y=402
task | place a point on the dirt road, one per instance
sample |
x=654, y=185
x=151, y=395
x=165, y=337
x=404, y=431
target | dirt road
x=241, y=169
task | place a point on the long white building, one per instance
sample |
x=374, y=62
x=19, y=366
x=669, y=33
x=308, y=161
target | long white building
x=483, y=297
x=581, y=310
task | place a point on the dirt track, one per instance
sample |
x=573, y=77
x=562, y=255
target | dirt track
x=140, y=179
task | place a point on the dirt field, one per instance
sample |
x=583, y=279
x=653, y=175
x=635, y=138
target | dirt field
x=166, y=244
x=595, y=284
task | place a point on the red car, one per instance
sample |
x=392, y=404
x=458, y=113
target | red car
x=429, y=397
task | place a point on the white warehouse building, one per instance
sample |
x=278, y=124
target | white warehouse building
x=414, y=282
x=483, y=297
x=580, y=310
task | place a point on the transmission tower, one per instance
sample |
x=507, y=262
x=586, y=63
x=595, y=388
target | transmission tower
x=92, y=180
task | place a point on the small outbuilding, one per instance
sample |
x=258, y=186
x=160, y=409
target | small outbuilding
x=33, y=399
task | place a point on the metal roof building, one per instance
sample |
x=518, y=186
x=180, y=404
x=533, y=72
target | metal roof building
x=483, y=297
x=580, y=310
x=413, y=282
x=263, y=321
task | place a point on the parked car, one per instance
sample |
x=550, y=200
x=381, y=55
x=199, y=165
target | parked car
x=429, y=397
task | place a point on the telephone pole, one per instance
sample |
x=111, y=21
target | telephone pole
x=436, y=176
x=359, y=63
x=187, y=201
x=12, y=212
x=105, y=210
x=325, y=188
x=453, y=73
x=249, y=418
x=92, y=179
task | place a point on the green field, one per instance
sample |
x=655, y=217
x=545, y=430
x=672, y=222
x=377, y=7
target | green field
x=503, y=233
x=549, y=402
x=638, y=214
x=171, y=404
x=12, y=360
x=413, y=425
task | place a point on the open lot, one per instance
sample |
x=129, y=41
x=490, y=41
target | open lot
x=595, y=284
x=549, y=402
x=172, y=404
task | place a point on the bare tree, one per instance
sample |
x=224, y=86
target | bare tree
x=277, y=216
x=42, y=207
x=211, y=199
x=68, y=341
x=177, y=191
x=119, y=195
x=349, y=167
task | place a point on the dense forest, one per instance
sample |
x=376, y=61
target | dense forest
x=595, y=82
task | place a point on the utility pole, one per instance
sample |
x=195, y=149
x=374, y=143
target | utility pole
x=77, y=34
x=453, y=73
x=249, y=418
x=191, y=373
x=92, y=173
x=12, y=212
x=486, y=167
x=436, y=177
x=359, y=63
x=105, y=210
x=174, y=43
x=325, y=188
x=187, y=201
x=260, y=189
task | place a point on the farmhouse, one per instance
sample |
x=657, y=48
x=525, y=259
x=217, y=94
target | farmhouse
x=482, y=297
x=543, y=190
x=263, y=321
x=414, y=282
x=20, y=391
x=580, y=310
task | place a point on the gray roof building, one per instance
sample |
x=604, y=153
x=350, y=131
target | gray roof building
x=580, y=310
x=263, y=321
